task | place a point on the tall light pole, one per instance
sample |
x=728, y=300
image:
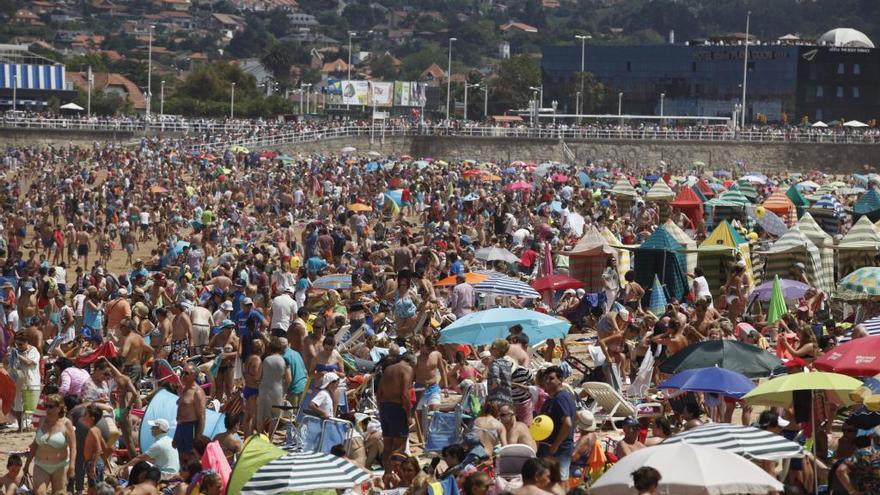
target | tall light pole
x=351, y=34
x=162, y=99
x=745, y=71
x=90, y=82
x=232, y=103
x=620, y=104
x=583, y=38
x=534, y=109
x=15, y=83
x=149, y=69
x=449, y=77
x=662, y=96
x=485, y=90
x=466, y=86
x=306, y=87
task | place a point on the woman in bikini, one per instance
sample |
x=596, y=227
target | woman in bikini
x=227, y=342
x=489, y=428
x=53, y=449
x=251, y=372
x=326, y=361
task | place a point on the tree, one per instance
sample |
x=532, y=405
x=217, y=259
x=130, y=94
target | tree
x=594, y=91
x=278, y=59
x=279, y=23
x=515, y=76
x=415, y=63
x=251, y=41
x=382, y=67
x=81, y=63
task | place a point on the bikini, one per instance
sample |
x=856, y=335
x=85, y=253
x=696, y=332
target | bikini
x=56, y=440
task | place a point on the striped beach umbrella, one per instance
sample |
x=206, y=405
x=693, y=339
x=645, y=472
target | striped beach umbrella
x=623, y=187
x=337, y=281
x=502, y=285
x=872, y=326
x=747, y=441
x=865, y=280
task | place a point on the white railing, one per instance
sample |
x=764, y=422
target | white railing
x=351, y=131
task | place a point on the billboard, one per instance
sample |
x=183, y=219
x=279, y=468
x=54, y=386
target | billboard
x=409, y=94
x=383, y=94
x=356, y=92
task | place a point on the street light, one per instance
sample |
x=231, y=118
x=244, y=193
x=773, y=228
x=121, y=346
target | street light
x=351, y=34
x=466, y=86
x=149, y=69
x=307, y=86
x=15, y=84
x=662, y=96
x=162, y=100
x=449, y=77
x=583, y=38
x=232, y=103
x=534, y=104
x=485, y=90
x=745, y=71
x=620, y=104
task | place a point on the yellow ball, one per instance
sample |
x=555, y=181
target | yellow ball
x=760, y=211
x=753, y=236
x=541, y=427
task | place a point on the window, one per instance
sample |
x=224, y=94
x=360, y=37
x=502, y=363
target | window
x=841, y=69
x=820, y=91
x=856, y=92
x=840, y=91
x=857, y=69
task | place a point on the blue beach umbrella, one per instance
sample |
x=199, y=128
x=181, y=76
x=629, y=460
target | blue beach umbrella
x=714, y=380
x=483, y=327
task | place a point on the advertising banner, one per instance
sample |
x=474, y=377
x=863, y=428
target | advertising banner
x=356, y=92
x=383, y=94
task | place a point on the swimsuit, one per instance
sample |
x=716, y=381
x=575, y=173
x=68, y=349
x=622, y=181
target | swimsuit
x=430, y=396
x=179, y=350
x=248, y=392
x=392, y=418
x=57, y=440
x=184, y=436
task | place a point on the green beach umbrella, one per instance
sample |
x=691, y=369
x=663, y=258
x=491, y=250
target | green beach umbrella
x=777, y=303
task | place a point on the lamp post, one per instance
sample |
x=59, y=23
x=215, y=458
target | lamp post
x=485, y=90
x=300, y=91
x=538, y=98
x=449, y=77
x=350, y=35
x=745, y=71
x=466, y=86
x=149, y=69
x=583, y=38
x=162, y=99
x=534, y=104
x=554, y=104
x=307, y=86
x=232, y=103
x=620, y=104
x=90, y=81
x=15, y=83
x=662, y=96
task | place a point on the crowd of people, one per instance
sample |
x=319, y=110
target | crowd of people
x=124, y=270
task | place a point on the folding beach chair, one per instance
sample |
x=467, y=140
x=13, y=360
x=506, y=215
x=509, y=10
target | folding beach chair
x=509, y=459
x=445, y=427
x=613, y=407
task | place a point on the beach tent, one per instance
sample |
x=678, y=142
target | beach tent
x=688, y=242
x=780, y=204
x=800, y=202
x=747, y=189
x=705, y=189
x=588, y=259
x=858, y=247
x=868, y=205
x=729, y=205
x=164, y=405
x=823, y=242
x=662, y=195
x=663, y=256
x=690, y=204
x=699, y=194
x=718, y=252
x=624, y=193
x=827, y=213
x=795, y=247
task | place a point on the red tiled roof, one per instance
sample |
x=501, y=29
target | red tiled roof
x=104, y=80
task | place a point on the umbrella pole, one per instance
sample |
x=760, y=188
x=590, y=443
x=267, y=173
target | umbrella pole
x=815, y=441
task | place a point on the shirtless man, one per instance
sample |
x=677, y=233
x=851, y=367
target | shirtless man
x=149, y=486
x=394, y=406
x=133, y=350
x=517, y=431
x=296, y=332
x=228, y=343
x=314, y=343
x=430, y=372
x=82, y=247
x=704, y=316
x=34, y=334
x=674, y=339
x=181, y=334
x=70, y=241
x=129, y=398
x=162, y=341
x=200, y=317
x=190, y=414
x=517, y=351
x=630, y=442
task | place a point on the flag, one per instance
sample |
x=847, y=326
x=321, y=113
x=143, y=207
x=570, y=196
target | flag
x=777, y=303
x=597, y=461
x=657, y=303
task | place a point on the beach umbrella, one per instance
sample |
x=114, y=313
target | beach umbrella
x=768, y=221
x=502, y=285
x=483, y=327
x=360, y=207
x=718, y=173
x=420, y=164
x=559, y=178
x=473, y=172
x=164, y=405
x=779, y=391
x=556, y=282
x=469, y=277
x=777, y=303
x=348, y=149
x=807, y=184
x=494, y=253
x=860, y=357
x=865, y=280
x=158, y=190
x=374, y=153
x=337, y=281
x=747, y=359
x=792, y=290
x=284, y=158
x=872, y=326
x=713, y=379
x=264, y=469
x=657, y=304
x=519, y=186
x=746, y=441
x=688, y=469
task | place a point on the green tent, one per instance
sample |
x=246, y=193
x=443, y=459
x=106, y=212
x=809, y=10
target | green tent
x=868, y=205
x=800, y=202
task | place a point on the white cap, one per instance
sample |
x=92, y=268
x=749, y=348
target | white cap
x=122, y=292
x=226, y=306
x=328, y=378
x=161, y=424
x=290, y=289
x=247, y=300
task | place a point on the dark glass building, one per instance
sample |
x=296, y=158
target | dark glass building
x=784, y=81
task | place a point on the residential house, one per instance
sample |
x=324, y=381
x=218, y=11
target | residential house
x=265, y=5
x=512, y=26
x=254, y=67
x=337, y=67
x=230, y=22
x=108, y=7
x=175, y=5
x=27, y=18
x=299, y=20
x=400, y=36
x=433, y=75
x=177, y=20
x=550, y=4
x=111, y=83
x=41, y=7
x=87, y=42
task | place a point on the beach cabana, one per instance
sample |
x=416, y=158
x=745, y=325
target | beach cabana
x=624, y=193
x=690, y=245
x=868, y=205
x=747, y=189
x=827, y=213
x=795, y=247
x=624, y=257
x=663, y=256
x=705, y=189
x=661, y=194
x=588, y=259
x=800, y=202
x=718, y=252
x=782, y=206
x=729, y=205
x=858, y=247
x=823, y=242
x=690, y=204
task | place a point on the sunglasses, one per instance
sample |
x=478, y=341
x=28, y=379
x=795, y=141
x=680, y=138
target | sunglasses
x=51, y=406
